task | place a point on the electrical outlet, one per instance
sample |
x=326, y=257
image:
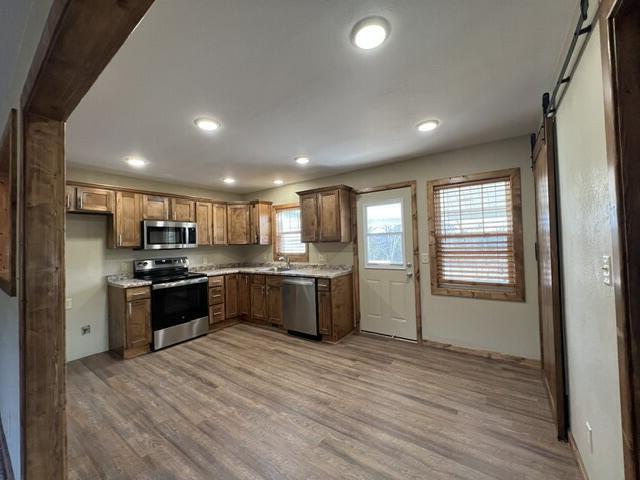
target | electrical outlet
x=606, y=269
x=68, y=303
x=589, y=436
x=425, y=258
x=322, y=258
x=205, y=261
x=124, y=267
x=86, y=330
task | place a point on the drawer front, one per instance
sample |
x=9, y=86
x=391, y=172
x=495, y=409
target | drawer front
x=274, y=280
x=324, y=284
x=137, y=293
x=219, y=280
x=258, y=279
x=216, y=314
x=216, y=295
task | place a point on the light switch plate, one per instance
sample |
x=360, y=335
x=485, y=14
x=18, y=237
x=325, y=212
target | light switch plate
x=424, y=258
x=68, y=303
x=124, y=267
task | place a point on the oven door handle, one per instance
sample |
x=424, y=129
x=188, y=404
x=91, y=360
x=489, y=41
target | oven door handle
x=179, y=283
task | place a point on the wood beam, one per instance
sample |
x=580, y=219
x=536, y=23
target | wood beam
x=42, y=300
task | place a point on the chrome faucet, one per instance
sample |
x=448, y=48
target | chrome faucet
x=285, y=259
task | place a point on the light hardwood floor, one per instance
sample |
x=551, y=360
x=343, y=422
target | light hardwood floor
x=250, y=403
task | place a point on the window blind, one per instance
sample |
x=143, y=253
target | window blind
x=474, y=235
x=288, y=233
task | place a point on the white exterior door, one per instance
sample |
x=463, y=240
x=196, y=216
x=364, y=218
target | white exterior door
x=385, y=246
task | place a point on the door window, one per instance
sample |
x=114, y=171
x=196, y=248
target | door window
x=384, y=235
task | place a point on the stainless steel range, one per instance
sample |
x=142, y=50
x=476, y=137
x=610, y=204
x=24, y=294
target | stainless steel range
x=179, y=302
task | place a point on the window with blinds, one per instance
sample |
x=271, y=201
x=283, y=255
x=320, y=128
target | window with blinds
x=287, y=233
x=476, y=236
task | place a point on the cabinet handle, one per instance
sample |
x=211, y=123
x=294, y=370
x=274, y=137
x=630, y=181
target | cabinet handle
x=80, y=202
x=68, y=202
x=129, y=308
x=119, y=239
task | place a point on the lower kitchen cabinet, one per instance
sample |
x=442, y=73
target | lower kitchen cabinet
x=244, y=295
x=274, y=300
x=258, y=299
x=231, y=295
x=217, y=300
x=129, y=321
x=335, y=307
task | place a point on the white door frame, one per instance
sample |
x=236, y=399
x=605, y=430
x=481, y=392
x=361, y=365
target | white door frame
x=412, y=184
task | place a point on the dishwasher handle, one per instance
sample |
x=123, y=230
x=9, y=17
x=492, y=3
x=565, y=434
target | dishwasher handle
x=303, y=282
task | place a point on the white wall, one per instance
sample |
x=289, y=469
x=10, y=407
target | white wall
x=589, y=310
x=89, y=261
x=38, y=11
x=506, y=327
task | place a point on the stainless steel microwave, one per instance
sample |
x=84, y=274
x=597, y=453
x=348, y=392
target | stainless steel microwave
x=160, y=235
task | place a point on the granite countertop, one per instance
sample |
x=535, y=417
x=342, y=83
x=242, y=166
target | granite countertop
x=294, y=272
x=125, y=280
x=316, y=271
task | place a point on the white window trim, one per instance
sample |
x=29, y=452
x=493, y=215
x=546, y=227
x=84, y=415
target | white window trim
x=379, y=266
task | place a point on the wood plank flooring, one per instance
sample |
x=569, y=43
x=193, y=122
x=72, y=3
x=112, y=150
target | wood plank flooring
x=250, y=403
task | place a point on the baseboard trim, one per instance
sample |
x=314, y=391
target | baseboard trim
x=5, y=461
x=500, y=357
x=576, y=453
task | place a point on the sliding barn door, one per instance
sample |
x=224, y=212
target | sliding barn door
x=551, y=325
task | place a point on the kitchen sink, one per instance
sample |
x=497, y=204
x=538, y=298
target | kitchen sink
x=275, y=269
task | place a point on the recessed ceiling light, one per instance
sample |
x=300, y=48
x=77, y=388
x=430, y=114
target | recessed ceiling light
x=207, y=124
x=135, y=162
x=302, y=160
x=229, y=180
x=370, y=32
x=428, y=125
x=278, y=181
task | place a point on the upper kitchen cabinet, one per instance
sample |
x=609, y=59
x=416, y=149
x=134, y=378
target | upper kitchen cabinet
x=125, y=231
x=261, y=222
x=239, y=223
x=326, y=214
x=219, y=224
x=249, y=223
x=204, y=222
x=89, y=199
x=155, y=207
x=183, y=210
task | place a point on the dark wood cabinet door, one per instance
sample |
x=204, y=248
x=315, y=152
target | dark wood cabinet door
x=70, y=198
x=261, y=223
x=97, y=200
x=324, y=312
x=329, y=216
x=127, y=219
x=204, y=222
x=219, y=224
x=274, y=300
x=258, y=302
x=155, y=207
x=231, y=295
x=183, y=210
x=239, y=224
x=244, y=295
x=138, y=323
x=309, y=217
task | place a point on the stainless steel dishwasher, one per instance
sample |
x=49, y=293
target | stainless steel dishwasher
x=299, y=306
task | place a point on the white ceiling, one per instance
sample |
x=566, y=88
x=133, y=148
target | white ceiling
x=284, y=79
